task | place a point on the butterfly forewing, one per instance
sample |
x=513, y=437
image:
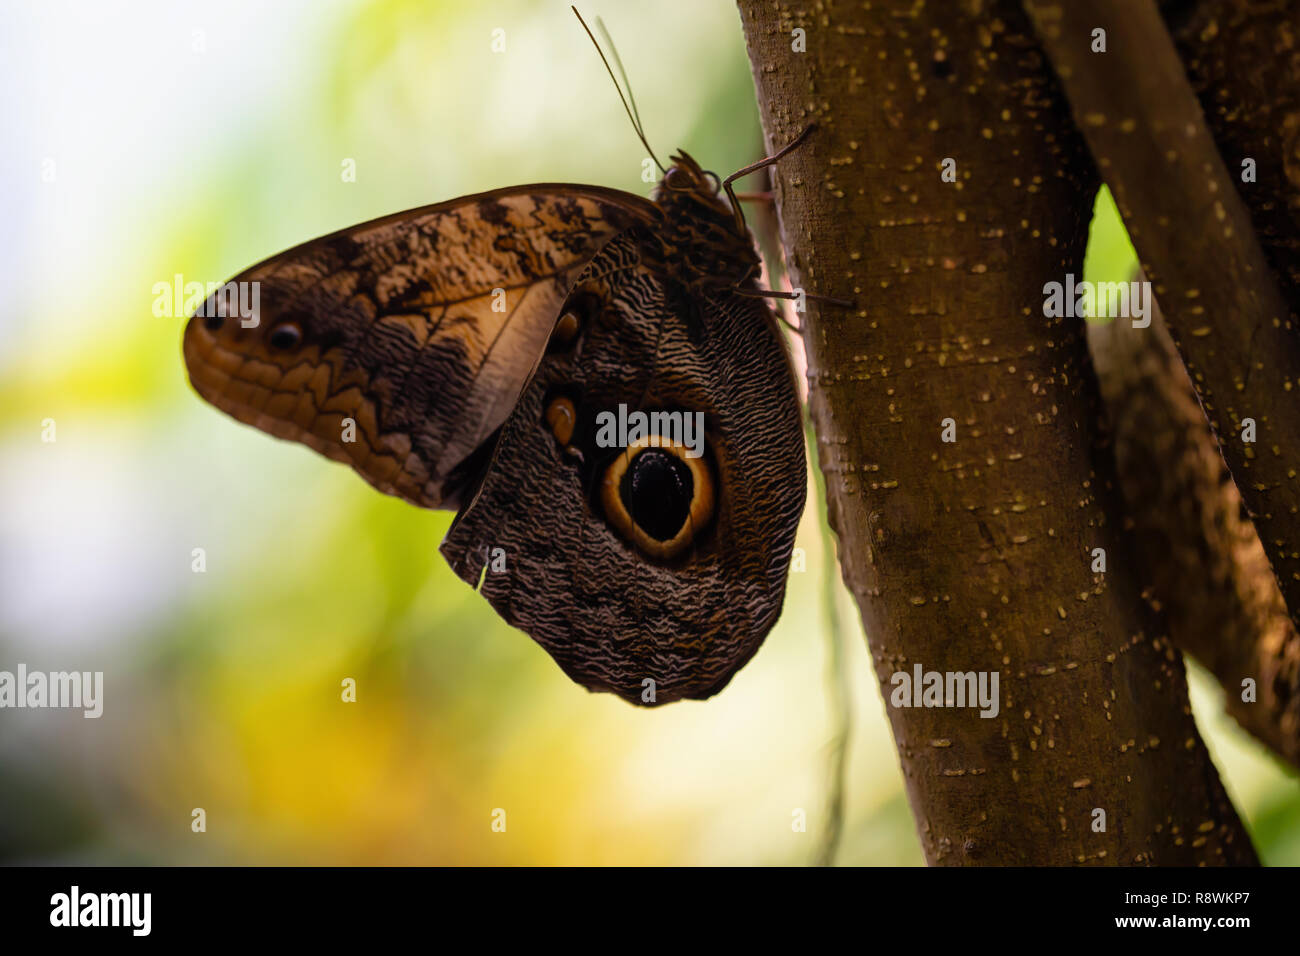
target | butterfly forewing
x=400, y=345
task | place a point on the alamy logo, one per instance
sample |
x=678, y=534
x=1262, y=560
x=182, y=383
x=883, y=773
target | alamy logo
x=71, y=689
x=626, y=429
x=1107, y=300
x=178, y=299
x=946, y=689
x=102, y=909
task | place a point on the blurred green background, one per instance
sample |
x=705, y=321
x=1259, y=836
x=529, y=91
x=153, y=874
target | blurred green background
x=155, y=138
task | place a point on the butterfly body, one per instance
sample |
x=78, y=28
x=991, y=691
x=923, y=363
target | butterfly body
x=477, y=346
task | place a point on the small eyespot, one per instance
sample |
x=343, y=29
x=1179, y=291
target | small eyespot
x=566, y=329
x=658, y=497
x=561, y=416
x=286, y=335
x=582, y=308
x=213, y=322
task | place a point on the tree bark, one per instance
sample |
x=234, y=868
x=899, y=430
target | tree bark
x=1243, y=60
x=976, y=555
x=1204, y=561
x=1196, y=241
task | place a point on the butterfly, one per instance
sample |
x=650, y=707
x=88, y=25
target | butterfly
x=593, y=382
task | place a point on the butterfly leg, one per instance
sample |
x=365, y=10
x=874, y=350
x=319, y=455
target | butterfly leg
x=774, y=294
x=761, y=164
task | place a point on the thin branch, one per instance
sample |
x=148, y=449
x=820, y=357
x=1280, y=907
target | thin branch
x=1203, y=557
x=840, y=693
x=1193, y=235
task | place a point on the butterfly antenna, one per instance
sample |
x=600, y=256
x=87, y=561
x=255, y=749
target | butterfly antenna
x=622, y=73
x=632, y=114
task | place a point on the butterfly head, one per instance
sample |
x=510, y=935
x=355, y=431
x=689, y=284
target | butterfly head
x=686, y=183
x=706, y=243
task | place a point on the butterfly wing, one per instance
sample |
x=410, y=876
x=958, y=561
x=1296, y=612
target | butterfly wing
x=399, y=346
x=540, y=535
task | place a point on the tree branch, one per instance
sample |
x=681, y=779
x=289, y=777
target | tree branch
x=1203, y=557
x=974, y=556
x=1194, y=237
x=1240, y=57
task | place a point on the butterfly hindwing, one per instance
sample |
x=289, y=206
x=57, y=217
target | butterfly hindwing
x=400, y=345
x=538, y=533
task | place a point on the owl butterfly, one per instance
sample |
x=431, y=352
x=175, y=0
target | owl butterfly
x=472, y=355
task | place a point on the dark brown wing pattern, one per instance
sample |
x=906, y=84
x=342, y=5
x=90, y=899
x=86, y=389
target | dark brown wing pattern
x=616, y=619
x=421, y=328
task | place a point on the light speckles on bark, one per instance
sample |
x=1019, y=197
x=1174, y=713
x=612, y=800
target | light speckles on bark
x=1203, y=557
x=1232, y=50
x=1000, y=525
x=1194, y=236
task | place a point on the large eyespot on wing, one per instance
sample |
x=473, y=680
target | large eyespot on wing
x=616, y=610
x=399, y=346
x=658, y=496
